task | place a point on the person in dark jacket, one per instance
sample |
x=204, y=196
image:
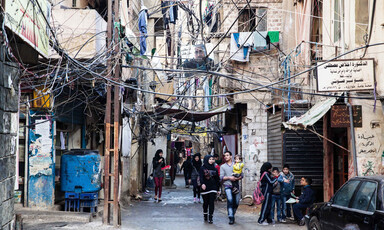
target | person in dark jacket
x=286, y=189
x=158, y=174
x=187, y=166
x=266, y=185
x=276, y=199
x=210, y=184
x=196, y=164
x=305, y=200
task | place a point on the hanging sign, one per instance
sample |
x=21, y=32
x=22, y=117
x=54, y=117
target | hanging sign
x=28, y=19
x=340, y=116
x=346, y=75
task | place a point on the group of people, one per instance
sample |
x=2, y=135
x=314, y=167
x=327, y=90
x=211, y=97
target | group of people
x=278, y=188
x=208, y=177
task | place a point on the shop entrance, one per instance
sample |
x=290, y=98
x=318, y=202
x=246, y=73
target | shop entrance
x=340, y=156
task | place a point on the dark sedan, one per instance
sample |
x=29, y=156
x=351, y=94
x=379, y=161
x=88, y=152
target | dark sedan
x=358, y=204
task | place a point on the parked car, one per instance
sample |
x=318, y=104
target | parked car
x=357, y=205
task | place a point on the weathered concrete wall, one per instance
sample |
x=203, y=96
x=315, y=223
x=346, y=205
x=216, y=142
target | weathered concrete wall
x=253, y=140
x=160, y=143
x=369, y=138
x=9, y=91
x=84, y=25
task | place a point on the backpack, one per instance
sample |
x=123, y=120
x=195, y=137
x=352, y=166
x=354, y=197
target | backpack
x=258, y=196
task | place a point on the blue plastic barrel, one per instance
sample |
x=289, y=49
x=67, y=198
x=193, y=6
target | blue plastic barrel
x=80, y=171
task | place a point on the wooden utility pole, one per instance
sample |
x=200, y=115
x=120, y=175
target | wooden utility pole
x=112, y=172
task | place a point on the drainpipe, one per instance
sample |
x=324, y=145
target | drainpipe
x=352, y=135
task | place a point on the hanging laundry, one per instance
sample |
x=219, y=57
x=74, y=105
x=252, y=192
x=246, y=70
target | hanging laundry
x=173, y=10
x=245, y=40
x=208, y=16
x=143, y=16
x=238, y=52
x=260, y=40
x=274, y=36
x=164, y=11
x=215, y=22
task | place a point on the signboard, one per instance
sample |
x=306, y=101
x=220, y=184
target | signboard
x=25, y=19
x=346, y=75
x=340, y=116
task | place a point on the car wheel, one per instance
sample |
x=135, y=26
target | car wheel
x=314, y=224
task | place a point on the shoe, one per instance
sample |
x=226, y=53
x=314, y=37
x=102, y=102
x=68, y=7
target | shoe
x=210, y=219
x=231, y=220
x=302, y=222
x=264, y=223
x=186, y=186
x=291, y=218
x=283, y=221
x=205, y=217
x=159, y=200
x=273, y=222
x=194, y=200
x=198, y=201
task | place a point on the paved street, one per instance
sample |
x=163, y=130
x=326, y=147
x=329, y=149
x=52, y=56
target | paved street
x=176, y=211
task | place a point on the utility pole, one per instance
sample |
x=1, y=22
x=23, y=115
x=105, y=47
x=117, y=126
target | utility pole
x=112, y=171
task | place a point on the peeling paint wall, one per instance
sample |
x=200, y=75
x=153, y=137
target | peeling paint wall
x=41, y=181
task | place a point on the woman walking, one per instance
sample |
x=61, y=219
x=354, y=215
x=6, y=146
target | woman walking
x=158, y=174
x=187, y=166
x=210, y=183
x=196, y=165
x=266, y=188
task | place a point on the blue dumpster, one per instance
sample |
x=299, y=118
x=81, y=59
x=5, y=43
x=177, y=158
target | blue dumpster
x=80, y=171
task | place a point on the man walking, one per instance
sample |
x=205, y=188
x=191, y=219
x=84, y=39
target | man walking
x=233, y=200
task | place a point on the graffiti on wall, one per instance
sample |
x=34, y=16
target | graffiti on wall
x=368, y=150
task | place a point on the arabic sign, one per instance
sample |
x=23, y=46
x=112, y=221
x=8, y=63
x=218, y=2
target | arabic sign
x=25, y=18
x=340, y=116
x=346, y=75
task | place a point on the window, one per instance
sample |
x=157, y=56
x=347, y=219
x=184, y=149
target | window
x=253, y=19
x=362, y=18
x=338, y=18
x=344, y=195
x=365, y=198
x=74, y=3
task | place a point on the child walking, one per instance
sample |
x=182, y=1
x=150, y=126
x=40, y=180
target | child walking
x=237, y=170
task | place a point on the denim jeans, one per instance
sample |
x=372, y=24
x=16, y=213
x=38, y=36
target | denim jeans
x=286, y=210
x=276, y=199
x=233, y=201
x=297, y=210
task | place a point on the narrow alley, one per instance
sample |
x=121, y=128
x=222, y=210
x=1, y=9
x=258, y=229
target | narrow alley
x=176, y=211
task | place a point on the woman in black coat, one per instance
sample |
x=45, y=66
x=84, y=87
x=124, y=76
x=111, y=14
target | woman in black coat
x=210, y=184
x=196, y=164
x=187, y=166
x=266, y=185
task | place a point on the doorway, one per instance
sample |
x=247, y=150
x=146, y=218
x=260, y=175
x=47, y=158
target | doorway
x=340, y=156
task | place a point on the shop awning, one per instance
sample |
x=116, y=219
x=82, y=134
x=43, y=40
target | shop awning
x=182, y=114
x=311, y=116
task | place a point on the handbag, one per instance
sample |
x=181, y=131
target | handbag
x=198, y=177
x=258, y=196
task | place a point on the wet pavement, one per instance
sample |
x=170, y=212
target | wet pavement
x=176, y=211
